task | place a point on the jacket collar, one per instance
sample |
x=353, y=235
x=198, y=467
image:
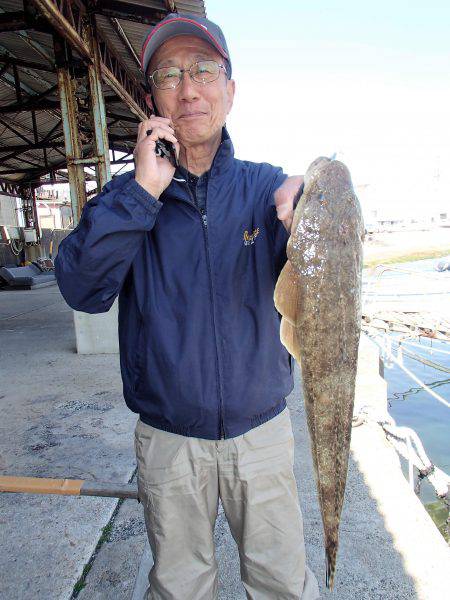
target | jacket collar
x=221, y=163
x=224, y=155
x=222, y=159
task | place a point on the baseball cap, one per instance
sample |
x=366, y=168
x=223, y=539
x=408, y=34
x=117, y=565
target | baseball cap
x=176, y=24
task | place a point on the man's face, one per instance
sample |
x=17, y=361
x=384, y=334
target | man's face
x=198, y=111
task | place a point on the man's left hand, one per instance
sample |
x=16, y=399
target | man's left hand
x=284, y=199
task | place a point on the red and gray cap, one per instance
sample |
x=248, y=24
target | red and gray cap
x=175, y=24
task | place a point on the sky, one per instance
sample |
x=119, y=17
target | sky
x=367, y=80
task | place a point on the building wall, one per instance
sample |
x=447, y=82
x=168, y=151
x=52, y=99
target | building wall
x=53, y=214
x=10, y=213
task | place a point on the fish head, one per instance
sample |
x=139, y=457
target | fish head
x=314, y=169
x=327, y=210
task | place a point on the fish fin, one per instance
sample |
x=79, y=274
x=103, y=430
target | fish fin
x=289, y=338
x=286, y=296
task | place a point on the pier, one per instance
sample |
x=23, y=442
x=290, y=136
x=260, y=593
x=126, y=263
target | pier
x=69, y=420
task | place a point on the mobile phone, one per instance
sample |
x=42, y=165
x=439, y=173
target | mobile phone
x=166, y=149
x=163, y=148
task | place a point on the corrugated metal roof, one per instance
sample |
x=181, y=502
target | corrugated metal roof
x=123, y=37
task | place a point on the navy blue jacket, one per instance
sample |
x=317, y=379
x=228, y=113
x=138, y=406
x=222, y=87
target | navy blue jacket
x=200, y=349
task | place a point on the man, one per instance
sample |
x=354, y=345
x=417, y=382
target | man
x=194, y=254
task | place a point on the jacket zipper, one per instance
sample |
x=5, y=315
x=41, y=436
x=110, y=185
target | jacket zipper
x=208, y=262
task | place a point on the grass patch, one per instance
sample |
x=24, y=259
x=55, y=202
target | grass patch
x=438, y=511
x=106, y=532
x=82, y=581
x=104, y=537
x=406, y=257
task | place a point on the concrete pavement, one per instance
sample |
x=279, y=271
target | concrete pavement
x=63, y=416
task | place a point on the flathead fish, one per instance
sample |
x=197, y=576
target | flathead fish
x=318, y=294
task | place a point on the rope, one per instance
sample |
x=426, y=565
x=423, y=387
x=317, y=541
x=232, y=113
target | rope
x=416, y=390
x=404, y=439
x=388, y=355
x=429, y=349
x=421, y=359
x=407, y=443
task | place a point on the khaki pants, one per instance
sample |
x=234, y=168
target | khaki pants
x=180, y=481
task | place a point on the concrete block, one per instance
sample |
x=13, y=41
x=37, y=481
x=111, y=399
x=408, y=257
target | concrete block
x=97, y=334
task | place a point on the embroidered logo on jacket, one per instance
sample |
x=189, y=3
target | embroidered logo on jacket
x=249, y=238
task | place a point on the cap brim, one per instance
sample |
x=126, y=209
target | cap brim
x=169, y=29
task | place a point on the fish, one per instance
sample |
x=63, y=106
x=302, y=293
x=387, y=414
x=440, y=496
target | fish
x=318, y=295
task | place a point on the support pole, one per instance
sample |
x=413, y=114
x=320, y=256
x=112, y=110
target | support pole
x=98, y=112
x=69, y=113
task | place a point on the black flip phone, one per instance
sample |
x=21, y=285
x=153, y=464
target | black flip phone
x=163, y=148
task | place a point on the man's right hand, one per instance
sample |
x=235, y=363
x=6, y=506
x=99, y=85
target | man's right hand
x=153, y=172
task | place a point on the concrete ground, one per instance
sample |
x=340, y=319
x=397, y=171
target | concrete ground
x=63, y=416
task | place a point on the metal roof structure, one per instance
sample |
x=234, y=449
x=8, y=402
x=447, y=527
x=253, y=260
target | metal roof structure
x=51, y=52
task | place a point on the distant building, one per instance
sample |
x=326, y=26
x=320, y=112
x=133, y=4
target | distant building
x=11, y=214
x=382, y=215
x=53, y=209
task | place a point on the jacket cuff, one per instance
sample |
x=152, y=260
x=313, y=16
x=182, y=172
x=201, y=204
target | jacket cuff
x=149, y=202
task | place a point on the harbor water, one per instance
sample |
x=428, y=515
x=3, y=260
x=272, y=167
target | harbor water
x=418, y=285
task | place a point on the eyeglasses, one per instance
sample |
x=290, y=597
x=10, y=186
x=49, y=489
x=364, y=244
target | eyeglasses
x=203, y=71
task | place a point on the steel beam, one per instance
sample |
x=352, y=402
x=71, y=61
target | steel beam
x=26, y=63
x=138, y=109
x=40, y=105
x=35, y=45
x=10, y=81
x=124, y=38
x=7, y=55
x=50, y=133
x=127, y=11
x=15, y=150
x=43, y=105
x=12, y=21
x=69, y=113
x=67, y=25
x=17, y=84
x=34, y=101
x=18, y=148
x=97, y=106
x=14, y=130
x=14, y=168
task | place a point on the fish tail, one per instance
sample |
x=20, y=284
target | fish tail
x=330, y=553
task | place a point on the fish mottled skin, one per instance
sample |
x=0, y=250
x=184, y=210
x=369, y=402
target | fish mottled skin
x=318, y=295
